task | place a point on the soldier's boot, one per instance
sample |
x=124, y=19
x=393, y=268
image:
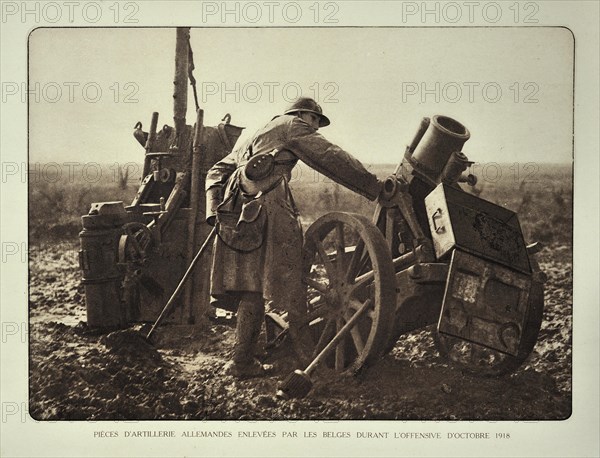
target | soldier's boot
x=250, y=316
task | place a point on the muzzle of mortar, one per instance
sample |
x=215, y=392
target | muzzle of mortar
x=438, y=154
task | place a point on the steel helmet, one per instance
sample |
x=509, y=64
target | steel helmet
x=309, y=105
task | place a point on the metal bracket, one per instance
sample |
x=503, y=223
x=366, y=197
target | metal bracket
x=437, y=215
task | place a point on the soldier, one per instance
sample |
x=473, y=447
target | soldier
x=258, y=251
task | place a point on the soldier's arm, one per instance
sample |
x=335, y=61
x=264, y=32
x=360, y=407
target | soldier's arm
x=332, y=161
x=216, y=178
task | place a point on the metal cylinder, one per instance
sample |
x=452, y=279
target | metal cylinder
x=443, y=137
x=419, y=135
x=101, y=275
x=455, y=166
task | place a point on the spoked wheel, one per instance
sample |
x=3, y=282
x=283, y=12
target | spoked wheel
x=348, y=271
x=482, y=361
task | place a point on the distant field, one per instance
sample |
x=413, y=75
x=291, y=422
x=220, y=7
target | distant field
x=542, y=195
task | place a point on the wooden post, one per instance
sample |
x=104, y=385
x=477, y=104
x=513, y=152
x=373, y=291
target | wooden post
x=180, y=90
x=195, y=191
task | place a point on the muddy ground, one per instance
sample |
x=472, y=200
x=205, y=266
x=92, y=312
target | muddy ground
x=77, y=375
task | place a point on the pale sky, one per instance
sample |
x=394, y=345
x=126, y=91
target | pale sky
x=375, y=84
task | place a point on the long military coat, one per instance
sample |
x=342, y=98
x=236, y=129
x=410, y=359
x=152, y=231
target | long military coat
x=274, y=269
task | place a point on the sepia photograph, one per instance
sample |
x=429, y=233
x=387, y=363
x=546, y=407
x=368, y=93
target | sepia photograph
x=330, y=228
x=352, y=224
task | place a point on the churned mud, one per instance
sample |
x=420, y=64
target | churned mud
x=75, y=374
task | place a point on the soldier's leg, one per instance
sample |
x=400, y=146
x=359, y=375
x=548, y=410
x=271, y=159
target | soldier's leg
x=250, y=316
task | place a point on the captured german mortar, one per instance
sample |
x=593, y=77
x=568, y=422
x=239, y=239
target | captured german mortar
x=433, y=254
x=132, y=257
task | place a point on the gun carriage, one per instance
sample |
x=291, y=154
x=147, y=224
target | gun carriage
x=432, y=254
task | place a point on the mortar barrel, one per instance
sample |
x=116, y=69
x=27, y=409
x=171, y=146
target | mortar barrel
x=443, y=137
